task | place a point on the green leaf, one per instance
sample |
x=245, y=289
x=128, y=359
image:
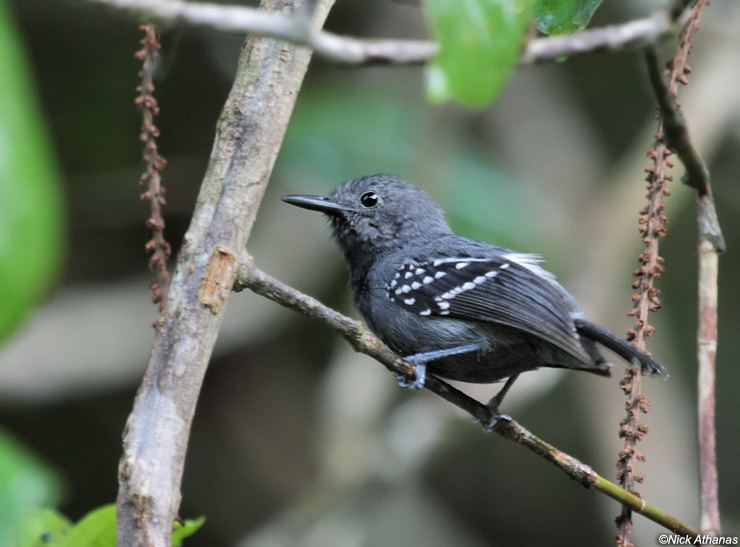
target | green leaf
x=25, y=485
x=479, y=41
x=30, y=204
x=96, y=529
x=43, y=528
x=186, y=529
x=564, y=16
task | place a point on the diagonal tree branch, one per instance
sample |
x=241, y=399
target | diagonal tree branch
x=249, y=277
x=248, y=137
x=346, y=49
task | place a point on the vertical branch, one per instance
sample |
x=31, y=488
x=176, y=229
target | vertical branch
x=158, y=248
x=249, y=133
x=711, y=243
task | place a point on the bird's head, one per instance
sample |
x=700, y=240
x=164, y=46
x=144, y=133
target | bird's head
x=374, y=214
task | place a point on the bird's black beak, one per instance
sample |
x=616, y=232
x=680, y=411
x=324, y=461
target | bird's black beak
x=316, y=203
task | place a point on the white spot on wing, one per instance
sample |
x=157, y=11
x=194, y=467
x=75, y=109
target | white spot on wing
x=427, y=280
x=531, y=262
x=425, y=312
x=439, y=275
x=415, y=285
x=406, y=288
x=468, y=286
x=409, y=301
x=461, y=265
x=440, y=261
x=443, y=305
x=504, y=266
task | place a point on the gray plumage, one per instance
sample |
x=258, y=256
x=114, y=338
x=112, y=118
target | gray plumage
x=422, y=288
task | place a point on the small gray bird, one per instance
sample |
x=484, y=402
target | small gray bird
x=468, y=310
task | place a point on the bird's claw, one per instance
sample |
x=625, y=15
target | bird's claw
x=495, y=419
x=420, y=375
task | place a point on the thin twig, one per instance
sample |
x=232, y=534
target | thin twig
x=362, y=340
x=158, y=248
x=711, y=243
x=350, y=50
x=248, y=136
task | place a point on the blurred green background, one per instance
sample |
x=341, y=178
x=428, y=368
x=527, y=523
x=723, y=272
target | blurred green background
x=298, y=441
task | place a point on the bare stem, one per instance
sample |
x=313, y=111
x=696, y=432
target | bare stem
x=248, y=137
x=350, y=50
x=707, y=361
x=362, y=340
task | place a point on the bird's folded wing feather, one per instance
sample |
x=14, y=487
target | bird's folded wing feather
x=488, y=289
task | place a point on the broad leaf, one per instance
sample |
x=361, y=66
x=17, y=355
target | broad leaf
x=186, y=529
x=564, y=16
x=25, y=484
x=96, y=529
x=480, y=42
x=30, y=205
x=43, y=528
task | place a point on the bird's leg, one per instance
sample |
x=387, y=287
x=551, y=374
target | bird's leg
x=495, y=402
x=420, y=360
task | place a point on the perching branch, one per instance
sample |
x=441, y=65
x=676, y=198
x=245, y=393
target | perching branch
x=158, y=248
x=362, y=340
x=711, y=243
x=350, y=50
x=248, y=137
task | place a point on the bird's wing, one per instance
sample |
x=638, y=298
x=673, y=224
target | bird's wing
x=507, y=289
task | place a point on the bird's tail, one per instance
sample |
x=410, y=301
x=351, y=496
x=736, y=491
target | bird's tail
x=619, y=346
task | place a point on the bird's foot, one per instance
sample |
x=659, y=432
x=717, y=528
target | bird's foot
x=496, y=417
x=420, y=376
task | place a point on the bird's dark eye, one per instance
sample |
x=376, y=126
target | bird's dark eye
x=369, y=199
